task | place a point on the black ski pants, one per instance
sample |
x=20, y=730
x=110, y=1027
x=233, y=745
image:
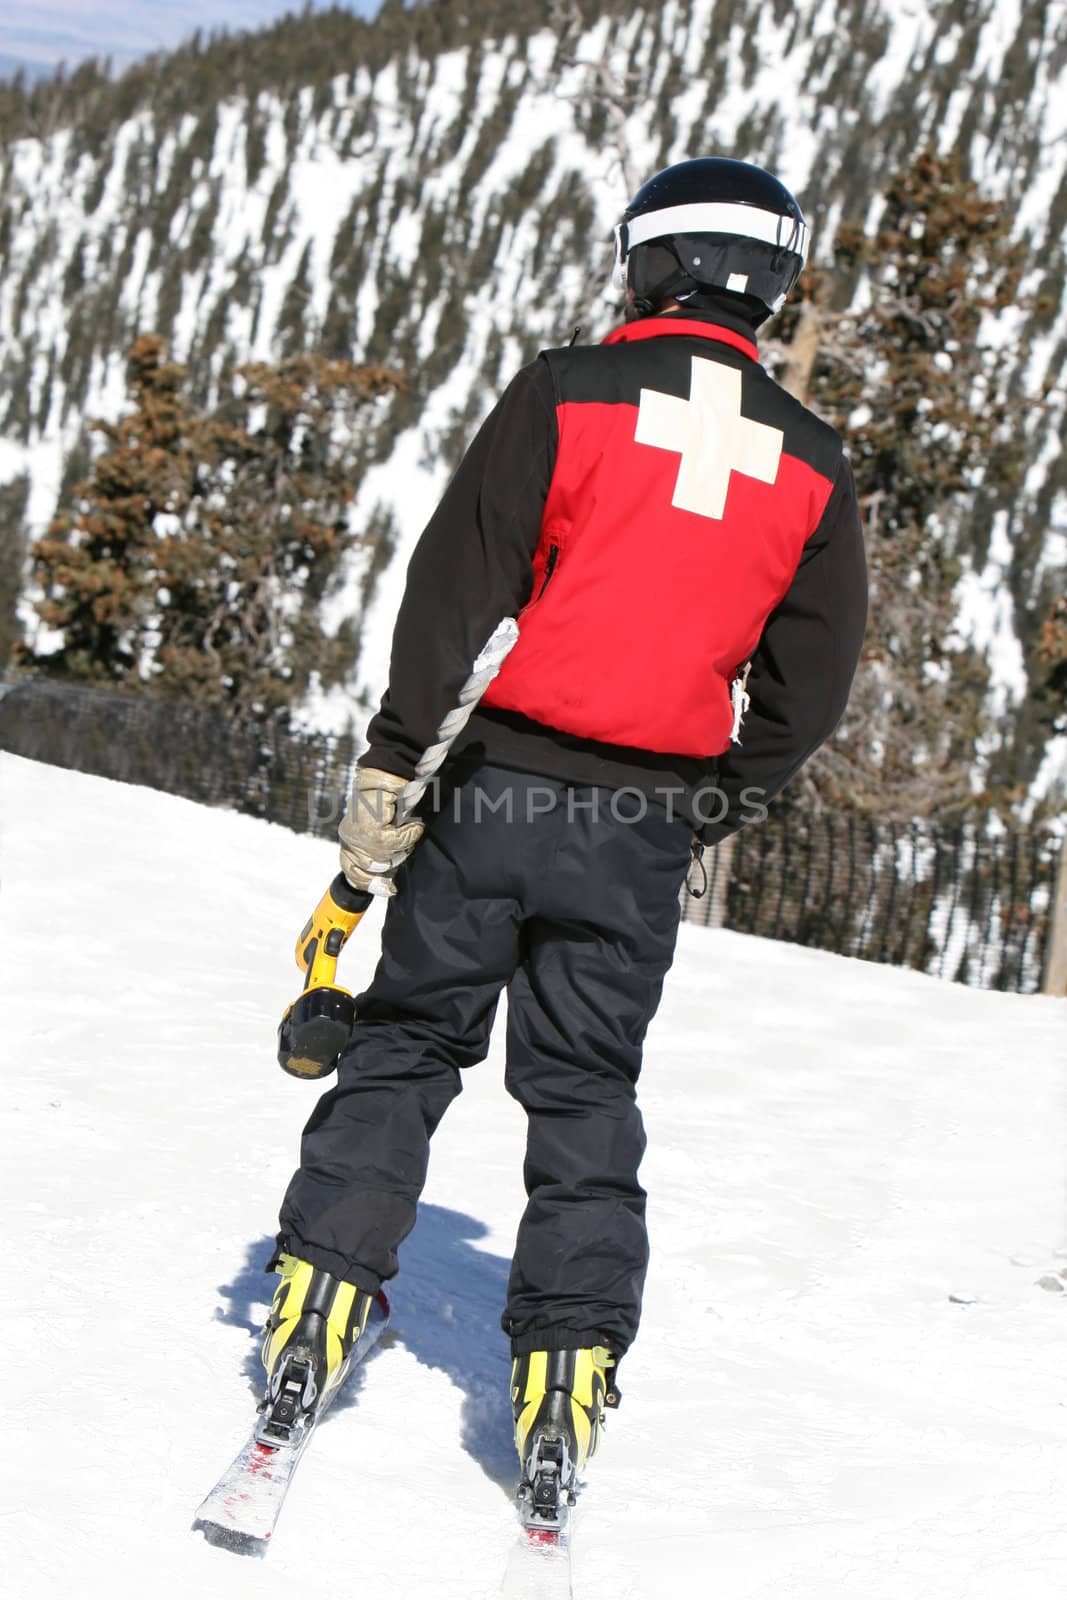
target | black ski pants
x=568, y=897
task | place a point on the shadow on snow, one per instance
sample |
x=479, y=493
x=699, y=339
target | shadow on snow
x=446, y=1310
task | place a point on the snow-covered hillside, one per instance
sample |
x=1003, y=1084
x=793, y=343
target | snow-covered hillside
x=448, y=209
x=849, y=1381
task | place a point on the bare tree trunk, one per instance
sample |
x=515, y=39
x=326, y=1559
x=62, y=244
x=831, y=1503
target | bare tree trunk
x=1056, y=962
x=801, y=353
x=617, y=93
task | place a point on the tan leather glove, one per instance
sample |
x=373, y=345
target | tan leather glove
x=373, y=843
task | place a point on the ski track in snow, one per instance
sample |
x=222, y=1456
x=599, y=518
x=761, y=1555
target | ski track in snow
x=835, y=1151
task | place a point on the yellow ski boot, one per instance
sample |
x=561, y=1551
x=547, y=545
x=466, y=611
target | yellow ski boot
x=559, y=1398
x=308, y=1341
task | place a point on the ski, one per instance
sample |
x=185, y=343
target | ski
x=539, y=1566
x=242, y=1510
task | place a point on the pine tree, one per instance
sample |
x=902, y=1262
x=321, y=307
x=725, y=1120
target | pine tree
x=1052, y=653
x=96, y=564
x=917, y=393
x=264, y=537
x=194, y=559
x=13, y=497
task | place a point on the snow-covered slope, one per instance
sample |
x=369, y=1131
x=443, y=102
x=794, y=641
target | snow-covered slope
x=848, y=1382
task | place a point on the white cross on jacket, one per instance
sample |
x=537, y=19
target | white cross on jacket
x=711, y=435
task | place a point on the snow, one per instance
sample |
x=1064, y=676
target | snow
x=985, y=616
x=790, y=80
x=848, y=1381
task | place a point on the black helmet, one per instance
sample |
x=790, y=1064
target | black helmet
x=711, y=224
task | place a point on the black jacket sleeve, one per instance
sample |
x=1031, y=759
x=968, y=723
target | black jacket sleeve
x=803, y=666
x=470, y=569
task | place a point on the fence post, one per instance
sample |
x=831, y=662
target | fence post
x=1056, y=962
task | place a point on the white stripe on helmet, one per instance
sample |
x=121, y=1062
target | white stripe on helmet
x=745, y=222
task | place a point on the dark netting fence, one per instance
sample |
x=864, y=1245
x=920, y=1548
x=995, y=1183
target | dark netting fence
x=266, y=770
x=959, y=902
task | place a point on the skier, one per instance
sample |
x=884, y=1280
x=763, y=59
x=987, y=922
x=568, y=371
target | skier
x=680, y=541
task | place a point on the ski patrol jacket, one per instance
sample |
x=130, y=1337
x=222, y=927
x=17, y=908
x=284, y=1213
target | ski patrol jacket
x=680, y=541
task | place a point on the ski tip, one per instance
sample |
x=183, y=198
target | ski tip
x=232, y=1539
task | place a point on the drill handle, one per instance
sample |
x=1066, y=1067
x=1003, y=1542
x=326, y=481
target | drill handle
x=327, y=930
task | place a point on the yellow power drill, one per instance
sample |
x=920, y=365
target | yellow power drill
x=316, y=1027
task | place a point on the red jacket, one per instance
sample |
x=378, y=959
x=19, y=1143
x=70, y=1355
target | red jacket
x=686, y=485
x=657, y=512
